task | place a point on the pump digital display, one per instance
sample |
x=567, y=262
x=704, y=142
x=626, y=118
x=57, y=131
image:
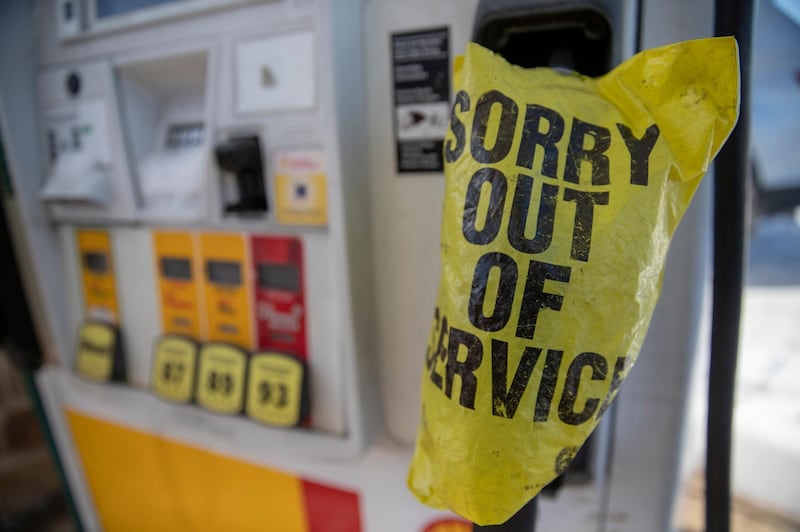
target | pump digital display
x=95, y=262
x=224, y=272
x=177, y=269
x=279, y=277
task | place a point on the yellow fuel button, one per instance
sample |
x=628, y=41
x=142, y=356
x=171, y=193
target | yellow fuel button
x=174, y=365
x=221, y=378
x=277, y=390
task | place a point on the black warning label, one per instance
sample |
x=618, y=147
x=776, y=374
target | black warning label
x=421, y=76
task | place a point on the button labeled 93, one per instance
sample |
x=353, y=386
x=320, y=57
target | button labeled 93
x=276, y=389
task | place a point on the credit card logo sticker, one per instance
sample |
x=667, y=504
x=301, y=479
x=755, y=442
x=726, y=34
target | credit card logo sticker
x=301, y=187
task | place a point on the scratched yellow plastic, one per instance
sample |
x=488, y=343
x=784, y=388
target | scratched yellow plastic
x=545, y=298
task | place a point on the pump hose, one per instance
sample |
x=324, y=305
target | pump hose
x=730, y=245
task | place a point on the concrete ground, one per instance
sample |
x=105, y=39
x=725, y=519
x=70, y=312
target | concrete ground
x=766, y=453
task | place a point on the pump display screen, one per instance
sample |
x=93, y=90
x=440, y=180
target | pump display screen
x=279, y=277
x=224, y=272
x=174, y=268
x=112, y=8
x=95, y=262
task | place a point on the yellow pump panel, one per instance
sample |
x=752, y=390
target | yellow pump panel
x=226, y=279
x=145, y=482
x=97, y=274
x=177, y=283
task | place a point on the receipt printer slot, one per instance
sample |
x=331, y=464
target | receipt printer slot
x=239, y=158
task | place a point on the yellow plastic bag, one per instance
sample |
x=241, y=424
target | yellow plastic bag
x=562, y=195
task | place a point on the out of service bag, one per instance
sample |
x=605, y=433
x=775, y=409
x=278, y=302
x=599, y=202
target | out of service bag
x=562, y=195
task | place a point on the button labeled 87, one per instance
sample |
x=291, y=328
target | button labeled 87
x=173, y=368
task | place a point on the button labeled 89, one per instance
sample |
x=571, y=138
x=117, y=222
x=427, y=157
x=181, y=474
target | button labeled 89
x=221, y=378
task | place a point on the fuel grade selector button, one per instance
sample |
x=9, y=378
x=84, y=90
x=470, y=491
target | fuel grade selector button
x=221, y=378
x=174, y=365
x=99, y=354
x=277, y=391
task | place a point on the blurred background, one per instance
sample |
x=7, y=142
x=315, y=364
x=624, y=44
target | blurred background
x=766, y=463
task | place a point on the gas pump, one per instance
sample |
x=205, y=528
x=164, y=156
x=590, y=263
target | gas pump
x=193, y=200
x=605, y=486
x=231, y=213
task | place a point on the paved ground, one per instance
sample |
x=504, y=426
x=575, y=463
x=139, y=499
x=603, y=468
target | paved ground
x=766, y=464
x=747, y=516
x=766, y=452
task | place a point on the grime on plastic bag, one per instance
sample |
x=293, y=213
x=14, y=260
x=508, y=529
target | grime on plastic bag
x=562, y=194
